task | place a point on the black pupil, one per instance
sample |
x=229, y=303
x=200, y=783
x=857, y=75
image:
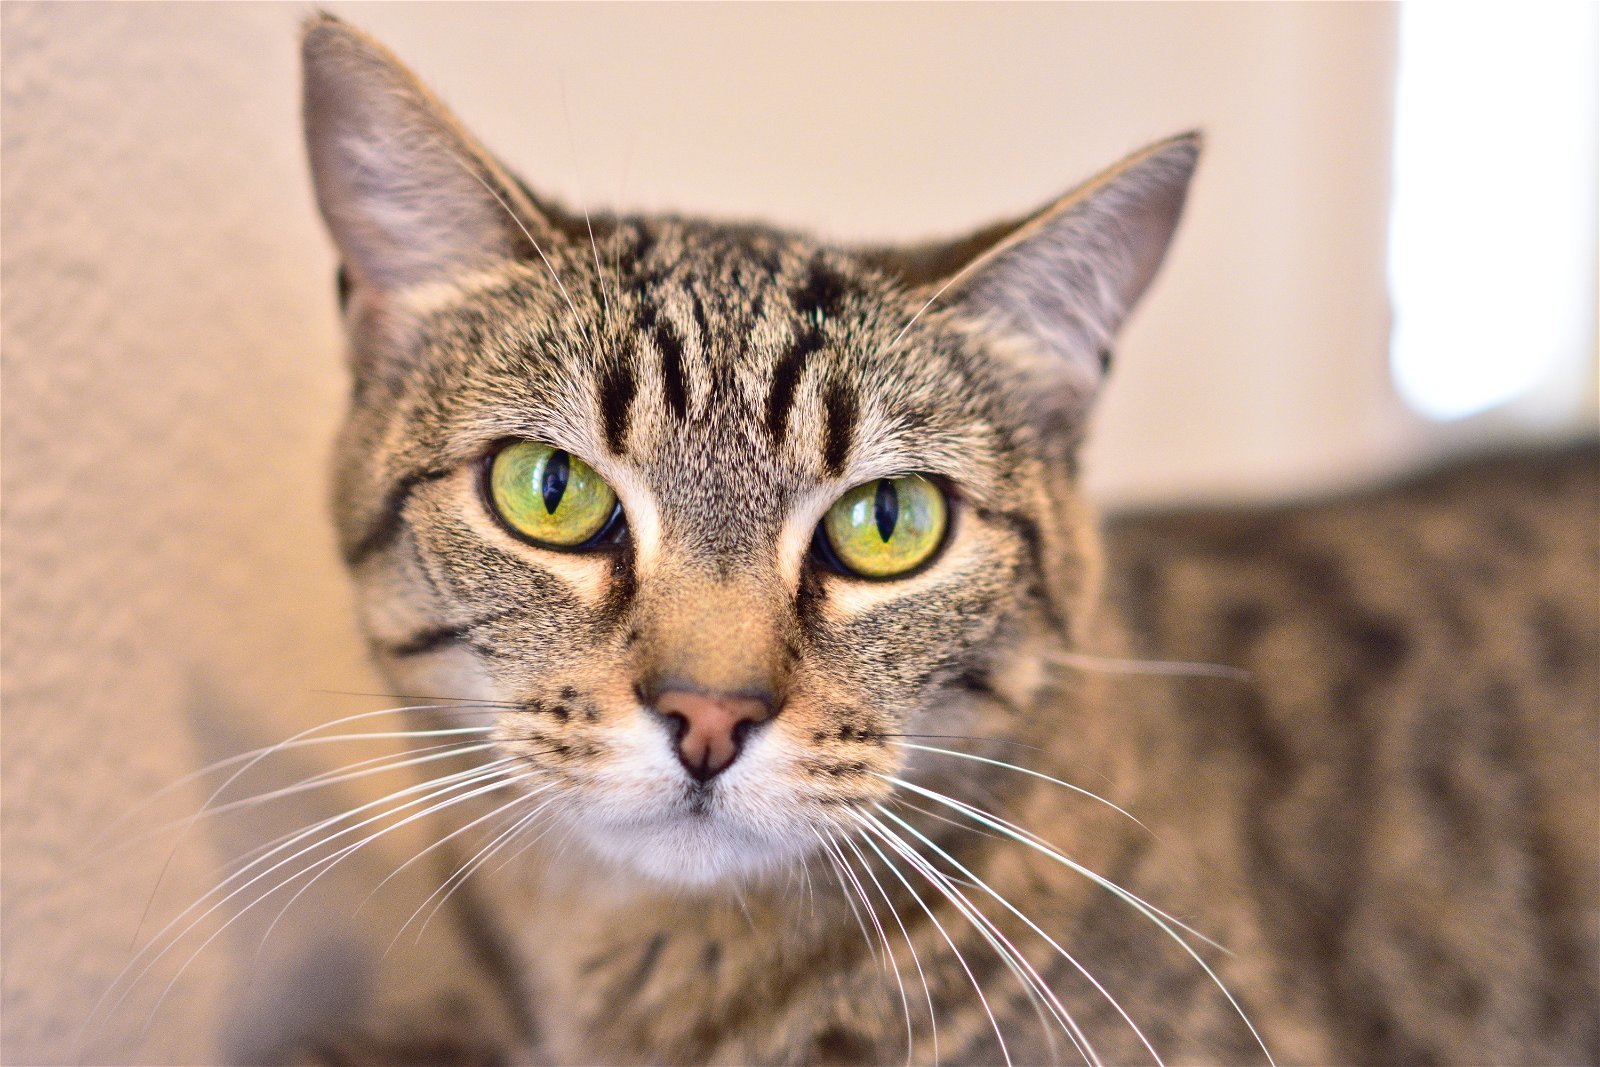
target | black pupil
x=554, y=483
x=886, y=509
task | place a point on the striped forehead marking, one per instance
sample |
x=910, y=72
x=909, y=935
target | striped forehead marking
x=817, y=300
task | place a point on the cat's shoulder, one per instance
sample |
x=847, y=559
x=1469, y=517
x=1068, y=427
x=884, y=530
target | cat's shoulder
x=1415, y=727
x=1445, y=553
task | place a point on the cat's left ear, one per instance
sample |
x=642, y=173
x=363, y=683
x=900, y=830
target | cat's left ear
x=1050, y=291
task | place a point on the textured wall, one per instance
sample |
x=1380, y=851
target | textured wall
x=172, y=378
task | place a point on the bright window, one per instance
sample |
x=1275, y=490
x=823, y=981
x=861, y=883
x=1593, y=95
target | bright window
x=1492, y=243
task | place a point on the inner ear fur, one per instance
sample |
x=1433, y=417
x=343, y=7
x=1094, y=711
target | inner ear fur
x=1051, y=289
x=408, y=195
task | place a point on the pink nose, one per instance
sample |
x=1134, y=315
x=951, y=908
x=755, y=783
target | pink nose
x=710, y=727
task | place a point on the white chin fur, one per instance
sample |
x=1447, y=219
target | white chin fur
x=692, y=851
x=643, y=817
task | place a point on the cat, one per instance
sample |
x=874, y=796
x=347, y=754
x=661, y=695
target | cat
x=817, y=729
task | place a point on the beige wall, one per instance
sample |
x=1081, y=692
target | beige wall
x=172, y=375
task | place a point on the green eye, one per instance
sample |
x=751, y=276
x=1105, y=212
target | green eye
x=548, y=495
x=887, y=527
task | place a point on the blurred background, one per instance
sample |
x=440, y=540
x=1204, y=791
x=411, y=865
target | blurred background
x=1388, y=258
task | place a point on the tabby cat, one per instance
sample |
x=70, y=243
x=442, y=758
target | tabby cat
x=761, y=565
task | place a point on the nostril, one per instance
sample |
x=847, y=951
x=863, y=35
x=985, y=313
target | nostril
x=677, y=727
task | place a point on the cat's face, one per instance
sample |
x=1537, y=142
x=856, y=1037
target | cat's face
x=729, y=389
x=716, y=516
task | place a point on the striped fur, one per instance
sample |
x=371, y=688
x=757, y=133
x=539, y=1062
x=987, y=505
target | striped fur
x=730, y=383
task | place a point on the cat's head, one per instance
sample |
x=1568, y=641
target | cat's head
x=720, y=515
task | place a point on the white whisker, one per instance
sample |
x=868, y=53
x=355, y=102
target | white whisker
x=1005, y=1053
x=894, y=913
x=533, y=840
x=362, y=769
x=1032, y=983
x=981, y=884
x=248, y=859
x=241, y=757
x=894, y=964
x=572, y=149
x=259, y=755
x=957, y=276
x=1022, y=770
x=811, y=889
x=1012, y=831
x=828, y=851
x=465, y=870
x=929, y=813
x=327, y=863
x=518, y=827
x=437, y=844
x=1175, y=668
x=302, y=890
x=348, y=773
x=512, y=215
x=1160, y=918
x=458, y=780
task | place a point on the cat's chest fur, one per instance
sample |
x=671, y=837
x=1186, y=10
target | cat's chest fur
x=644, y=975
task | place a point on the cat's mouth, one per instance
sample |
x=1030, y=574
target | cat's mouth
x=702, y=843
x=646, y=816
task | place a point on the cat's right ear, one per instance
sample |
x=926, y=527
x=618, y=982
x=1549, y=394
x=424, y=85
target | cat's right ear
x=408, y=195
